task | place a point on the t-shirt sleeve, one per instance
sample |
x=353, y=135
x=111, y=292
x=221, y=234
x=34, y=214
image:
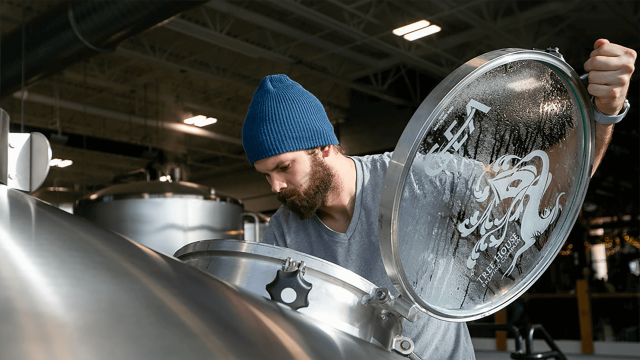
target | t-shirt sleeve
x=274, y=234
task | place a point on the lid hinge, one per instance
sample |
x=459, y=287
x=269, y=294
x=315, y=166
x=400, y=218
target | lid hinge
x=555, y=52
x=397, y=306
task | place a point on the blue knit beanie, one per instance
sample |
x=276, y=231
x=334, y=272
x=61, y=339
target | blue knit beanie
x=284, y=117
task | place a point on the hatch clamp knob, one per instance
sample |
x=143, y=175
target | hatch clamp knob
x=289, y=287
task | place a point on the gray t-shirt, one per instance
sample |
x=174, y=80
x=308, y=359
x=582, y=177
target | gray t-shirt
x=358, y=250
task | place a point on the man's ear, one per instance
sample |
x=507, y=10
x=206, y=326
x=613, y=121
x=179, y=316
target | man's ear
x=325, y=150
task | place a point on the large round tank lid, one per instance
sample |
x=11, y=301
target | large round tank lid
x=486, y=182
x=157, y=189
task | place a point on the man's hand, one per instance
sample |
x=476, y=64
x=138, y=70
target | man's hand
x=610, y=67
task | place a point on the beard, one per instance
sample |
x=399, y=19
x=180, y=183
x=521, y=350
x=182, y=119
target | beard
x=307, y=201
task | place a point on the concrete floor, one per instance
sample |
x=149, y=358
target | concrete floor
x=484, y=349
x=504, y=355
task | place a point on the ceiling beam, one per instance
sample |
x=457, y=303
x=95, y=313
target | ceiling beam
x=530, y=16
x=315, y=16
x=533, y=15
x=213, y=37
x=179, y=127
x=165, y=63
x=126, y=138
x=377, y=22
x=120, y=88
x=268, y=23
x=90, y=167
x=99, y=159
x=97, y=132
x=251, y=88
x=123, y=88
x=473, y=19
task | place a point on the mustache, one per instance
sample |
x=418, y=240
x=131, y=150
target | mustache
x=284, y=194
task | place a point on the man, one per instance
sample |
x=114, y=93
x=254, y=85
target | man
x=330, y=201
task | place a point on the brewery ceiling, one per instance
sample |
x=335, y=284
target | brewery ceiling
x=118, y=111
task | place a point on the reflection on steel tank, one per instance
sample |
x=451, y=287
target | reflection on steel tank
x=59, y=196
x=255, y=225
x=164, y=216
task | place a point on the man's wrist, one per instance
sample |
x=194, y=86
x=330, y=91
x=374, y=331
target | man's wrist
x=605, y=119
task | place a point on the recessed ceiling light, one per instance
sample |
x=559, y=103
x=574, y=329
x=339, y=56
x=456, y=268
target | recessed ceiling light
x=429, y=30
x=200, y=121
x=60, y=163
x=411, y=27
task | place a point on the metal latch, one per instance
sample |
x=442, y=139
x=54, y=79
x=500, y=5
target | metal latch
x=404, y=346
x=292, y=265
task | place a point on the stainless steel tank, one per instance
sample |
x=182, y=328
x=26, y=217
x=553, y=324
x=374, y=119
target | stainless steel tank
x=71, y=290
x=162, y=215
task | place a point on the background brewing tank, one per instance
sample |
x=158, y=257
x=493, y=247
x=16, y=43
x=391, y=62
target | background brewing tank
x=164, y=216
x=70, y=290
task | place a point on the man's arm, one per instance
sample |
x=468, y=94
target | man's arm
x=610, y=67
x=603, y=138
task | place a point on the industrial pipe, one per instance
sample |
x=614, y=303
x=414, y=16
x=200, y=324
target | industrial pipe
x=74, y=31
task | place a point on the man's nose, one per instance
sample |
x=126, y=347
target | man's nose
x=277, y=185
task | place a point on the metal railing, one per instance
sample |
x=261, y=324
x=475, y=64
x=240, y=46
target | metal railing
x=527, y=353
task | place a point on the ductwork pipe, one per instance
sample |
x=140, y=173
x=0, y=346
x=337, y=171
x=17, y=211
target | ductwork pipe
x=75, y=31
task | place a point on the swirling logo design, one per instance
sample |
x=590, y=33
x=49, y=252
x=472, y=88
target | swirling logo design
x=519, y=190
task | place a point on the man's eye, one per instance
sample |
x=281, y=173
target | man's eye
x=285, y=167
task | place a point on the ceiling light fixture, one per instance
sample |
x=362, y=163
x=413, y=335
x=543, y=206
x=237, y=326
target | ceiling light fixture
x=200, y=121
x=429, y=30
x=60, y=163
x=411, y=27
x=417, y=30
